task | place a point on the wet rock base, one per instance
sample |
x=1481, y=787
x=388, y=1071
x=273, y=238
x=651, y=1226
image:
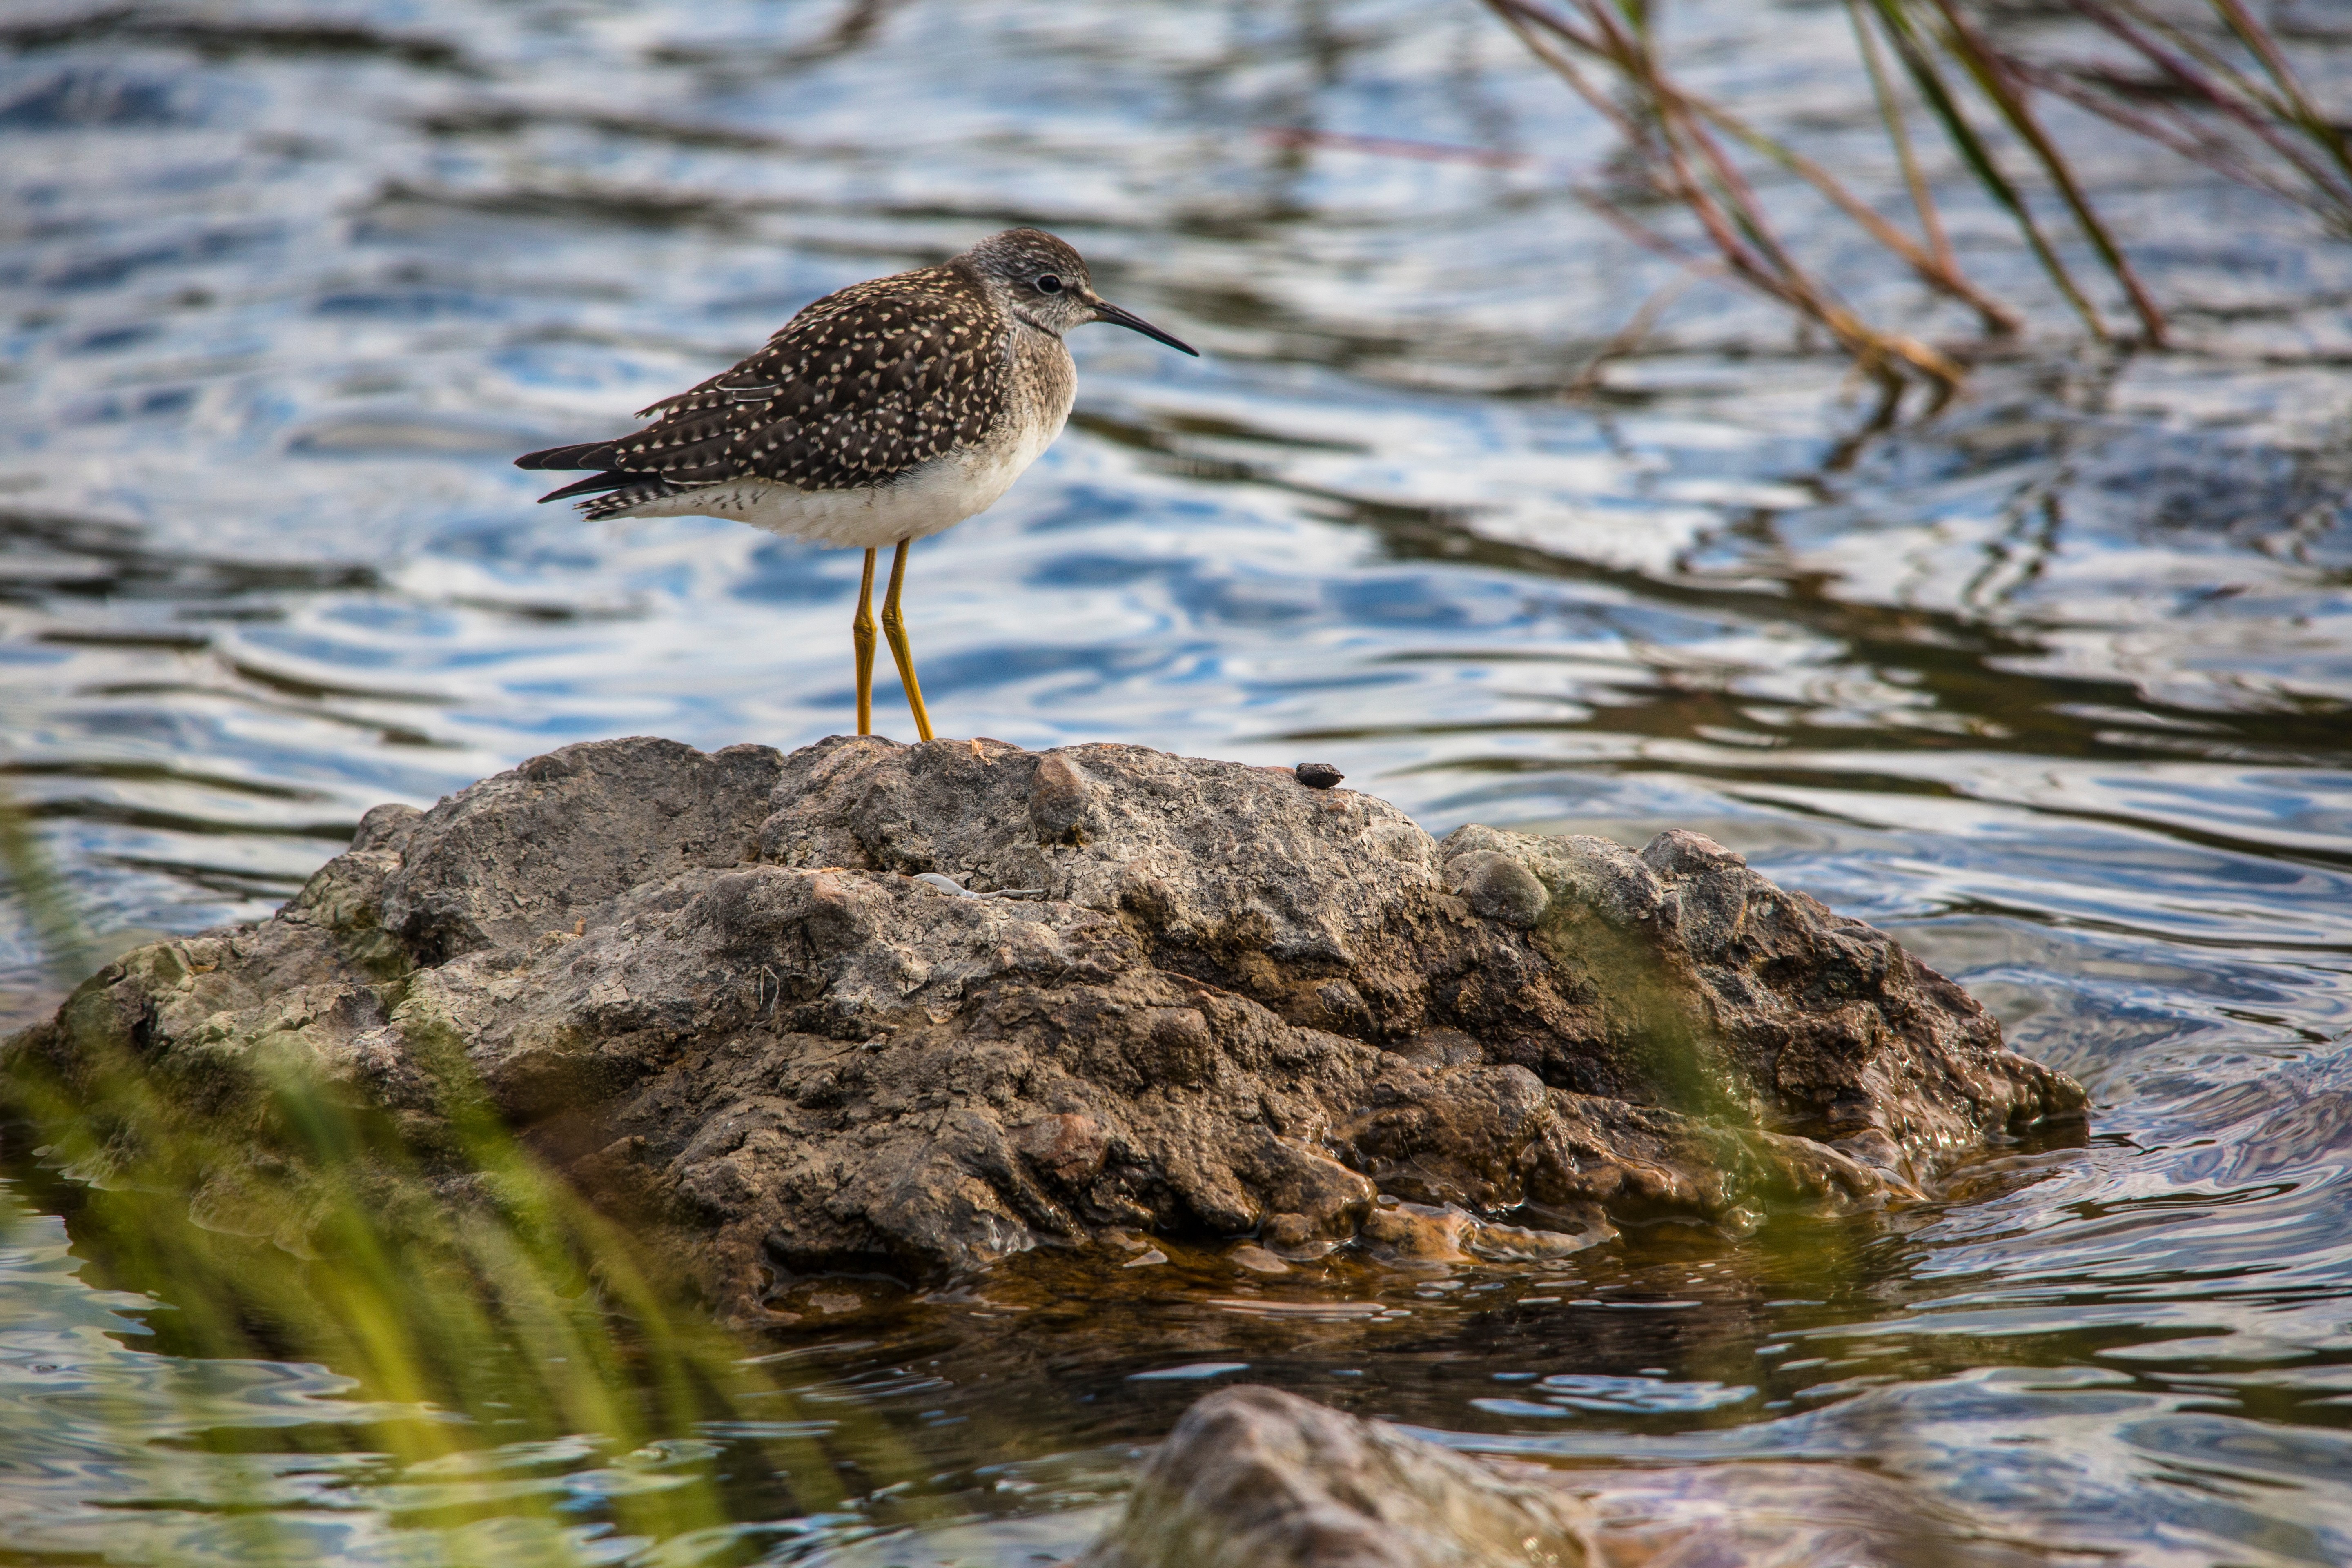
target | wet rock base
x=916, y=1008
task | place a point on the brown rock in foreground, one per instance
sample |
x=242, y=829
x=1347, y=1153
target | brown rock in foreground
x=1255, y=1479
x=1252, y=1477
x=715, y=991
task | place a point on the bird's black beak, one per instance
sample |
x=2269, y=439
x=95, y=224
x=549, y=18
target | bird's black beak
x=1107, y=312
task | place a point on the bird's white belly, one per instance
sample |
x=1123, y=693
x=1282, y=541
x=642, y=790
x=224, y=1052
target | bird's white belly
x=921, y=502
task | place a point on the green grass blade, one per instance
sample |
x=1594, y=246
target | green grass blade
x=33, y=883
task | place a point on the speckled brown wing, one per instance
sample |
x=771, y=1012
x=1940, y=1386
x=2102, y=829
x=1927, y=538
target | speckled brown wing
x=860, y=387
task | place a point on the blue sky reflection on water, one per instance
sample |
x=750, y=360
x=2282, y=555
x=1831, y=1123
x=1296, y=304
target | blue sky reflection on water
x=2056, y=684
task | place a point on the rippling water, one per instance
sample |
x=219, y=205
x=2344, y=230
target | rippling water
x=2057, y=683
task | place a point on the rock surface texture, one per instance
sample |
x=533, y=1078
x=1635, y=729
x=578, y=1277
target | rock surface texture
x=739, y=1000
x=1252, y=1477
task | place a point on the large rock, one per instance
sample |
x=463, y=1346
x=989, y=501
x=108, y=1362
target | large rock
x=716, y=993
x=1252, y=1477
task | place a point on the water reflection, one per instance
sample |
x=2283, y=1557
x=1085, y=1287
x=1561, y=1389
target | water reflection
x=2057, y=683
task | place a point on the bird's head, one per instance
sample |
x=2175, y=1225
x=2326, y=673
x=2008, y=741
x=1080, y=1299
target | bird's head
x=1044, y=282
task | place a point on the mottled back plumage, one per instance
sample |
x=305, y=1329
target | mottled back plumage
x=860, y=387
x=884, y=412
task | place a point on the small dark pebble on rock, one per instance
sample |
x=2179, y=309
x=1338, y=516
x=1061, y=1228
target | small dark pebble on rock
x=1317, y=775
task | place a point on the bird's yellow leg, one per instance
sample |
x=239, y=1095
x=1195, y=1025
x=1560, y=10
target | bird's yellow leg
x=894, y=626
x=861, y=634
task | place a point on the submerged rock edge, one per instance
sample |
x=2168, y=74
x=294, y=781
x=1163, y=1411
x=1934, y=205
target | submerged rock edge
x=1255, y=1478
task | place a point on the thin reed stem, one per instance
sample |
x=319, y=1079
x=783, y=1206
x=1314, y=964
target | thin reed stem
x=2252, y=119
x=2259, y=42
x=1998, y=86
x=1912, y=50
x=1898, y=133
x=1670, y=129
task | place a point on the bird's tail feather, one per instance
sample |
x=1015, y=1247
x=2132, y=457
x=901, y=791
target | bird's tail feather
x=591, y=484
x=584, y=455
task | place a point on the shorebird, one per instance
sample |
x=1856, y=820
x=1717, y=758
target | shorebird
x=880, y=414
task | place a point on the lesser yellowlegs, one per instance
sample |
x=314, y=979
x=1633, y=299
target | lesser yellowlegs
x=880, y=415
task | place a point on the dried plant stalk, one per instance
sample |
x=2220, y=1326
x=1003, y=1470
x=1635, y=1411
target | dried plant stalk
x=2001, y=87
x=1672, y=131
x=2312, y=156
x=2232, y=101
x=1919, y=62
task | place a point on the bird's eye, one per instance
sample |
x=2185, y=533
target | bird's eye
x=1049, y=284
